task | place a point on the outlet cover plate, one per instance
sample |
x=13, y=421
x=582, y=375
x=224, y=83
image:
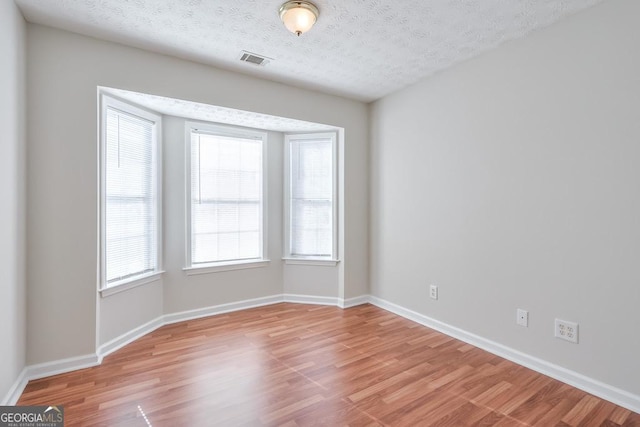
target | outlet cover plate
x=433, y=292
x=522, y=317
x=566, y=330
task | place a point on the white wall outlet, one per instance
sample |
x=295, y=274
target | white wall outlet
x=567, y=331
x=433, y=292
x=522, y=317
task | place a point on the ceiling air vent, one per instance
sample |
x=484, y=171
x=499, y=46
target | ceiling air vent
x=254, y=59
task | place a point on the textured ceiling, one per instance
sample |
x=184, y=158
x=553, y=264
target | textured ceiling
x=362, y=49
x=216, y=114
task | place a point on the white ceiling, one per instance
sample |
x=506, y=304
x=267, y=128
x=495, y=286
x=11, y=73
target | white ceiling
x=216, y=114
x=362, y=49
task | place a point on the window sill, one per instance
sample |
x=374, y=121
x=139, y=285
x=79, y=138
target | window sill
x=311, y=261
x=227, y=266
x=125, y=286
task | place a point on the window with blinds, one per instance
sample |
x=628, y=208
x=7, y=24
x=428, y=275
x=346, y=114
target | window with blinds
x=226, y=196
x=130, y=193
x=311, y=192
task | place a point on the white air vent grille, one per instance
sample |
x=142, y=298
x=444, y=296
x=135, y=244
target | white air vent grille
x=253, y=58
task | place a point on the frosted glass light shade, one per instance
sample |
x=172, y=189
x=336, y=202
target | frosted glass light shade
x=298, y=16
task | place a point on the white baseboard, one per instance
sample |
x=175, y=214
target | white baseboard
x=352, y=302
x=16, y=390
x=220, y=309
x=62, y=366
x=310, y=299
x=42, y=370
x=597, y=388
x=129, y=337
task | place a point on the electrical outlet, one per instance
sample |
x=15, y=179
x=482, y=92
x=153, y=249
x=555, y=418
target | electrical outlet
x=522, y=317
x=567, y=331
x=433, y=292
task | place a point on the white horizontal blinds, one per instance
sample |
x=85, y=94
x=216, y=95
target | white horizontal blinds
x=226, y=198
x=131, y=219
x=311, y=179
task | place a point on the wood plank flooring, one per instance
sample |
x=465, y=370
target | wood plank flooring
x=300, y=365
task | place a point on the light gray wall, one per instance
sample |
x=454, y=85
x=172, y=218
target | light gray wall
x=125, y=311
x=12, y=187
x=354, y=167
x=312, y=280
x=511, y=181
x=64, y=71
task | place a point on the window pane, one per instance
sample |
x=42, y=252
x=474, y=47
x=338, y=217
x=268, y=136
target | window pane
x=130, y=222
x=312, y=229
x=311, y=204
x=226, y=198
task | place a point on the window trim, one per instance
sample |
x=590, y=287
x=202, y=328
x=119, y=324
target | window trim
x=226, y=266
x=311, y=261
x=287, y=257
x=138, y=281
x=229, y=131
x=106, y=101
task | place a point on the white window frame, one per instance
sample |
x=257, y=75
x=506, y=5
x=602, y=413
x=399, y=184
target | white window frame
x=309, y=260
x=105, y=102
x=229, y=131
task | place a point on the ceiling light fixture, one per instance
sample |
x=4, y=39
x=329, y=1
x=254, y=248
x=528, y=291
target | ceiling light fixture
x=298, y=16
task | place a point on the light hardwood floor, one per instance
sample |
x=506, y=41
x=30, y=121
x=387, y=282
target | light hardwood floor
x=301, y=365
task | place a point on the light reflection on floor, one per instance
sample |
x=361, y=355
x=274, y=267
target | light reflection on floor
x=231, y=385
x=144, y=416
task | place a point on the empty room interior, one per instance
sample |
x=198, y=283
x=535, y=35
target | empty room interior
x=330, y=213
